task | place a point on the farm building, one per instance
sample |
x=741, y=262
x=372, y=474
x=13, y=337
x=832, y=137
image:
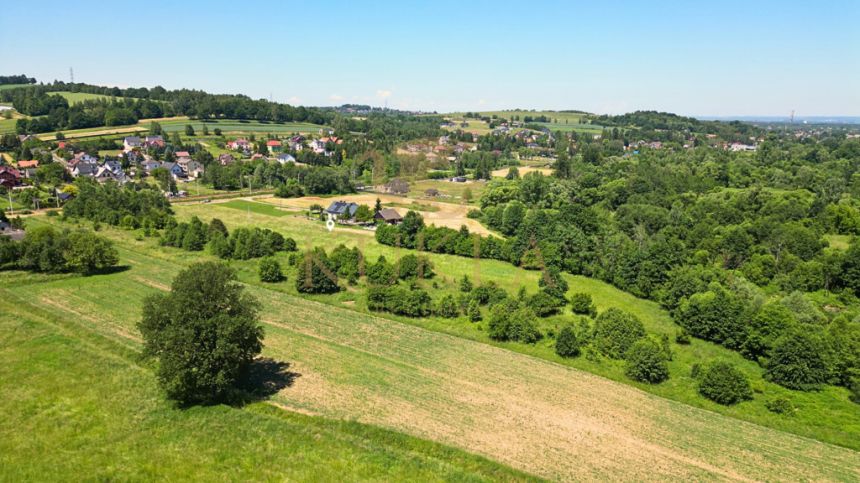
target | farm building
x=9, y=176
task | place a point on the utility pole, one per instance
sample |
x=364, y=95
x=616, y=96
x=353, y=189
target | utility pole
x=11, y=208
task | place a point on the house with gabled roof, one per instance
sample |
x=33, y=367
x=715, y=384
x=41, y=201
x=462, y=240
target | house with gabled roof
x=130, y=142
x=342, y=210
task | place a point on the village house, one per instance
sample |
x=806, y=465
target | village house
x=239, y=145
x=226, y=159
x=342, y=210
x=85, y=168
x=130, y=143
x=33, y=163
x=274, y=146
x=9, y=177
x=388, y=215
x=192, y=169
x=149, y=165
x=318, y=146
x=175, y=170
x=285, y=158
x=153, y=142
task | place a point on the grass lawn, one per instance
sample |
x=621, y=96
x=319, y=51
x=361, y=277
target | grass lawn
x=7, y=125
x=79, y=406
x=533, y=414
x=3, y=87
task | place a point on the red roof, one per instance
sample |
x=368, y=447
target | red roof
x=273, y=142
x=61, y=144
x=182, y=154
x=9, y=169
x=33, y=163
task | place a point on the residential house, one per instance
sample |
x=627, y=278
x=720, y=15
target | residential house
x=443, y=140
x=149, y=165
x=226, y=159
x=113, y=165
x=342, y=210
x=153, y=142
x=130, y=143
x=318, y=146
x=285, y=158
x=274, y=146
x=257, y=156
x=192, y=169
x=9, y=177
x=33, y=163
x=104, y=174
x=174, y=169
x=83, y=168
x=239, y=145
x=182, y=155
x=25, y=137
x=388, y=215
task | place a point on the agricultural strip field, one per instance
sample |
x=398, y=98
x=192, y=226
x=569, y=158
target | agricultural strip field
x=75, y=401
x=535, y=415
x=825, y=415
x=524, y=170
x=171, y=125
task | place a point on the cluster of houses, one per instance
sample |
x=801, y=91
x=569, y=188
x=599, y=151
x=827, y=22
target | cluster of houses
x=182, y=168
x=295, y=143
x=344, y=212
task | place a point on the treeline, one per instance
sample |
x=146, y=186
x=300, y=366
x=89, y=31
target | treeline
x=241, y=244
x=45, y=249
x=132, y=205
x=16, y=79
x=288, y=179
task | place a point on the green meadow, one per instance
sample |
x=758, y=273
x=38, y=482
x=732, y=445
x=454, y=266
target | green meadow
x=82, y=401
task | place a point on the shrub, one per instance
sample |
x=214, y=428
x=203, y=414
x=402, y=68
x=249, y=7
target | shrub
x=270, y=270
x=474, y=311
x=779, y=405
x=381, y=273
x=797, y=362
x=580, y=303
x=509, y=321
x=465, y=284
x=544, y=304
x=647, y=362
x=553, y=283
x=566, y=344
x=682, y=337
x=399, y=300
x=315, y=273
x=854, y=387
x=724, y=384
x=414, y=266
x=615, y=331
x=447, y=307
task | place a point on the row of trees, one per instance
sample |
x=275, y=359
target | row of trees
x=45, y=249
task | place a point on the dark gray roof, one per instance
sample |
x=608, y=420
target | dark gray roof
x=388, y=214
x=342, y=208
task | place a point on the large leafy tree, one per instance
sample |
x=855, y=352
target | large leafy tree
x=205, y=332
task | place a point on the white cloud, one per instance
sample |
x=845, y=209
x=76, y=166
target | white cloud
x=383, y=93
x=335, y=98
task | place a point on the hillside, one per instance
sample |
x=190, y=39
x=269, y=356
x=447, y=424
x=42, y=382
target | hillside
x=535, y=415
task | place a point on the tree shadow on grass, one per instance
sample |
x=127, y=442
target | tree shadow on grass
x=263, y=379
x=109, y=270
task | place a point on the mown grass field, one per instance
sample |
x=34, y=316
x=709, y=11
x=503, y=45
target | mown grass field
x=533, y=414
x=827, y=415
x=79, y=405
x=171, y=125
x=78, y=97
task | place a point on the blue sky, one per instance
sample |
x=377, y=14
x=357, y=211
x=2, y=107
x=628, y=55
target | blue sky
x=716, y=58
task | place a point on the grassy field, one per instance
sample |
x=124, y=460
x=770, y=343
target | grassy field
x=77, y=97
x=539, y=416
x=79, y=405
x=171, y=125
x=827, y=415
x=3, y=87
x=450, y=192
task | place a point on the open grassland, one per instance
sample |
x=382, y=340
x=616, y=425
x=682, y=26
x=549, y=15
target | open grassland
x=77, y=97
x=232, y=126
x=536, y=415
x=78, y=405
x=437, y=213
x=448, y=191
x=826, y=415
x=3, y=87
